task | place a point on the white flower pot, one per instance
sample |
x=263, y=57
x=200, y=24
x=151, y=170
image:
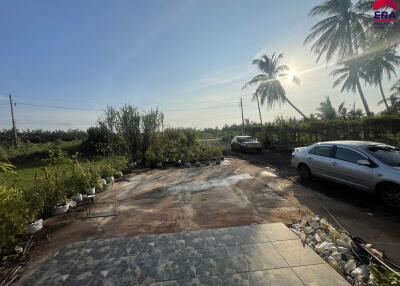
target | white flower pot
x=110, y=179
x=119, y=174
x=60, y=209
x=103, y=182
x=77, y=197
x=34, y=227
x=91, y=191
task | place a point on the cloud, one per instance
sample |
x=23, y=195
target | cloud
x=224, y=77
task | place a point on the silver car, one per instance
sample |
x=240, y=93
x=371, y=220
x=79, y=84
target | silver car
x=370, y=166
x=245, y=144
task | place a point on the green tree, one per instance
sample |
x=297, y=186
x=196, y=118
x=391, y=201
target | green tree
x=341, y=33
x=349, y=75
x=270, y=89
x=326, y=111
x=378, y=63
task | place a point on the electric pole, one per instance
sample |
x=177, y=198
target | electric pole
x=13, y=122
x=241, y=107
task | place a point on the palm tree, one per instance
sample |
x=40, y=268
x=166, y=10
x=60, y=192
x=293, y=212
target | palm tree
x=342, y=111
x=350, y=74
x=255, y=97
x=326, y=110
x=269, y=87
x=341, y=33
x=381, y=62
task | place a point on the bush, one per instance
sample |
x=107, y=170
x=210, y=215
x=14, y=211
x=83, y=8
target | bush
x=13, y=210
x=106, y=170
x=119, y=163
x=35, y=199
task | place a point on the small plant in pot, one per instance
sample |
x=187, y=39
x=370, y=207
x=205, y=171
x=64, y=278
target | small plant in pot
x=107, y=171
x=187, y=157
x=55, y=192
x=94, y=180
x=53, y=182
x=35, y=199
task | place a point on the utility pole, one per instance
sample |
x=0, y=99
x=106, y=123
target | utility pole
x=241, y=107
x=13, y=122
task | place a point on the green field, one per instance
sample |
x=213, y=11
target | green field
x=28, y=160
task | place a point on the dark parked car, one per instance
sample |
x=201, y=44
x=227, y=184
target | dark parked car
x=369, y=166
x=245, y=144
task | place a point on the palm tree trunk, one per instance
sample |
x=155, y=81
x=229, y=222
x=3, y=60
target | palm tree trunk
x=259, y=110
x=364, y=101
x=383, y=94
x=298, y=110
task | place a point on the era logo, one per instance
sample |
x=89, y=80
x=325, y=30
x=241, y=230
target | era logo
x=385, y=11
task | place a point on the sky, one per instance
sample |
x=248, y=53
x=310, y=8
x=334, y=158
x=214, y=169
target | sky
x=64, y=61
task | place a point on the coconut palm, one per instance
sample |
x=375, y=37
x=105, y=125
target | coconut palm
x=270, y=89
x=381, y=62
x=396, y=88
x=349, y=75
x=326, y=110
x=255, y=97
x=341, y=33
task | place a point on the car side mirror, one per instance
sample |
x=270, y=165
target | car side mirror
x=364, y=163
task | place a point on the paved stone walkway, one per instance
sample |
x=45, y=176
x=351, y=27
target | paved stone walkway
x=267, y=254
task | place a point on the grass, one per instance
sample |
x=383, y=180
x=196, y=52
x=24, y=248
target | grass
x=28, y=161
x=33, y=152
x=25, y=174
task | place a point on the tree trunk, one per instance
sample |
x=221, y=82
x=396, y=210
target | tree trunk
x=383, y=94
x=259, y=110
x=298, y=110
x=364, y=101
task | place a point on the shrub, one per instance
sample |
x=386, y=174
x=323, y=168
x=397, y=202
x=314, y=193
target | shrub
x=35, y=199
x=119, y=162
x=106, y=170
x=154, y=155
x=13, y=210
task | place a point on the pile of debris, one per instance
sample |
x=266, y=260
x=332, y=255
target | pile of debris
x=337, y=248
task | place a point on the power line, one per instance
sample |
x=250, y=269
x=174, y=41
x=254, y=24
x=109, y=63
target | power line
x=60, y=107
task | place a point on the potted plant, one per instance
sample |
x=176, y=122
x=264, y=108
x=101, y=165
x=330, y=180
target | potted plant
x=34, y=198
x=107, y=172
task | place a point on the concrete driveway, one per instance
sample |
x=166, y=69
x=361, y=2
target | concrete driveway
x=235, y=193
x=264, y=254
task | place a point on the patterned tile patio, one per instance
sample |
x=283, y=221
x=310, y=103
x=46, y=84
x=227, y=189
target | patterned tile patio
x=267, y=254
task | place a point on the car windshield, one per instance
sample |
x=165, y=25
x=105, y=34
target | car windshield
x=386, y=154
x=245, y=139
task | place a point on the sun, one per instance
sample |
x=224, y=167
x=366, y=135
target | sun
x=290, y=75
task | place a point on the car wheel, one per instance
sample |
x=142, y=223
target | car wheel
x=304, y=172
x=242, y=149
x=390, y=194
x=259, y=150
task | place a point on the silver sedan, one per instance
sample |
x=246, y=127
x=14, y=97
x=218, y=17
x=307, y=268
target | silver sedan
x=370, y=166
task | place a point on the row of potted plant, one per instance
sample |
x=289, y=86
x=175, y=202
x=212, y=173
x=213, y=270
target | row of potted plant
x=161, y=153
x=63, y=182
